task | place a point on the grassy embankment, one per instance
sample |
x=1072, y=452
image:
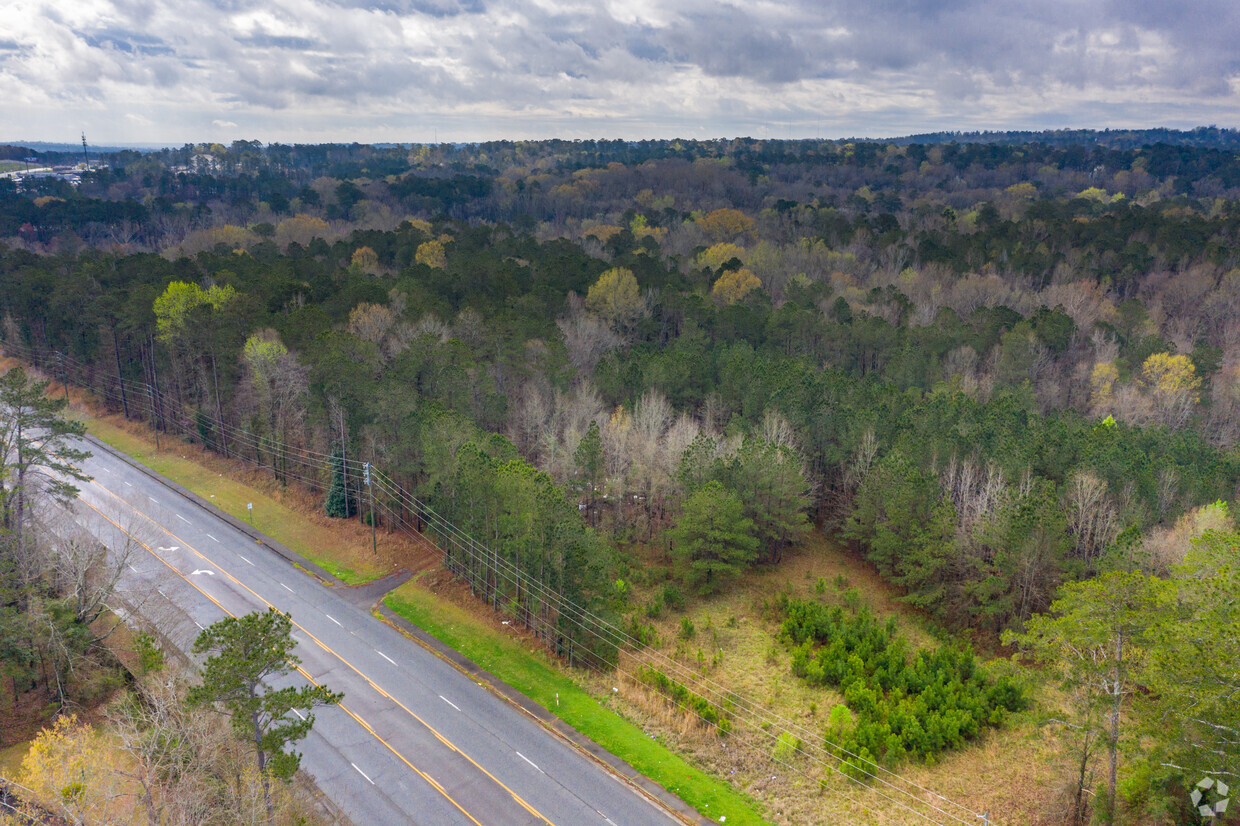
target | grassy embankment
x=513, y=661
x=533, y=674
x=273, y=514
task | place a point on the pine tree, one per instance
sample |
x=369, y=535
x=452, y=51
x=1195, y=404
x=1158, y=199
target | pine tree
x=589, y=460
x=340, y=503
x=714, y=542
x=247, y=652
x=34, y=444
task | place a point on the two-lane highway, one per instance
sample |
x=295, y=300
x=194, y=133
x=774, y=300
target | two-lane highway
x=415, y=740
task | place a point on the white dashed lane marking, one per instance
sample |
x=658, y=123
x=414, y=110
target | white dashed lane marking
x=531, y=762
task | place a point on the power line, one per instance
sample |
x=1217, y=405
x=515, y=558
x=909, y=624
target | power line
x=497, y=571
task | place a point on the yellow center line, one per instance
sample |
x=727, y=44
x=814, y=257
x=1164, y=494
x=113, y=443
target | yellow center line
x=521, y=801
x=430, y=780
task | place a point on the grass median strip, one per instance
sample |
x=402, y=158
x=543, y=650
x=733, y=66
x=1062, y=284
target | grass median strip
x=269, y=516
x=533, y=675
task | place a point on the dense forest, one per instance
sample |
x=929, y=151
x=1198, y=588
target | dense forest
x=1000, y=368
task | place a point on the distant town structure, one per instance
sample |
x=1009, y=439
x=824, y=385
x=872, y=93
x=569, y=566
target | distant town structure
x=37, y=168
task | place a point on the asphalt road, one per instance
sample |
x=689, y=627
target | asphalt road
x=415, y=740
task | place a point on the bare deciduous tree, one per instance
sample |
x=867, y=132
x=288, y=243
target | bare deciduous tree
x=1092, y=515
x=587, y=337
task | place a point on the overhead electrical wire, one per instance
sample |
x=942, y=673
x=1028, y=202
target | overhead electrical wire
x=310, y=464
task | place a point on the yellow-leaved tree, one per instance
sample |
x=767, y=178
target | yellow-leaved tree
x=1102, y=384
x=432, y=255
x=1173, y=385
x=616, y=298
x=233, y=237
x=726, y=224
x=71, y=770
x=734, y=285
x=173, y=306
x=365, y=259
x=302, y=229
x=603, y=232
x=714, y=257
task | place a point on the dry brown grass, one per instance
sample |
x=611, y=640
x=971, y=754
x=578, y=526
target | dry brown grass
x=302, y=524
x=1017, y=774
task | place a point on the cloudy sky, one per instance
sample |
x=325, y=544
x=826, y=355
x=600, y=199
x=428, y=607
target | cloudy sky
x=422, y=70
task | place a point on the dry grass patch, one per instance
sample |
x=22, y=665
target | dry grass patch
x=290, y=514
x=1016, y=773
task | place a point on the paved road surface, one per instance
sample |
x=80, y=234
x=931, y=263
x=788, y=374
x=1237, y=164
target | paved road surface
x=415, y=740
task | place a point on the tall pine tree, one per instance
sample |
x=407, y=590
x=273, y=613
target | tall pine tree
x=340, y=502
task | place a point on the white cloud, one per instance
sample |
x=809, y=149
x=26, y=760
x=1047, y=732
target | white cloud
x=472, y=69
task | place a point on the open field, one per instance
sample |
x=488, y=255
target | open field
x=1013, y=773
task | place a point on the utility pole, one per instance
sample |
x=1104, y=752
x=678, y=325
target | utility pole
x=150, y=408
x=120, y=378
x=64, y=382
x=344, y=461
x=374, y=545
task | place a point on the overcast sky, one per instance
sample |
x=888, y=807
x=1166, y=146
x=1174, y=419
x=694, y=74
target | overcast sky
x=457, y=70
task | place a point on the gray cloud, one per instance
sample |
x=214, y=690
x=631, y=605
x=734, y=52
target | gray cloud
x=329, y=67
x=262, y=40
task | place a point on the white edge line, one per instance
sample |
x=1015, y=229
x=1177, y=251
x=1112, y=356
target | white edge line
x=385, y=656
x=362, y=773
x=285, y=587
x=246, y=561
x=209, y=536
x=333, y=619
x=531, y=762
x=299, y=714
x=449, y=702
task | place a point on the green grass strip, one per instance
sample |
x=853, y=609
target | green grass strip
x=533, y=675
x=530, y=673
x=269, y=516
